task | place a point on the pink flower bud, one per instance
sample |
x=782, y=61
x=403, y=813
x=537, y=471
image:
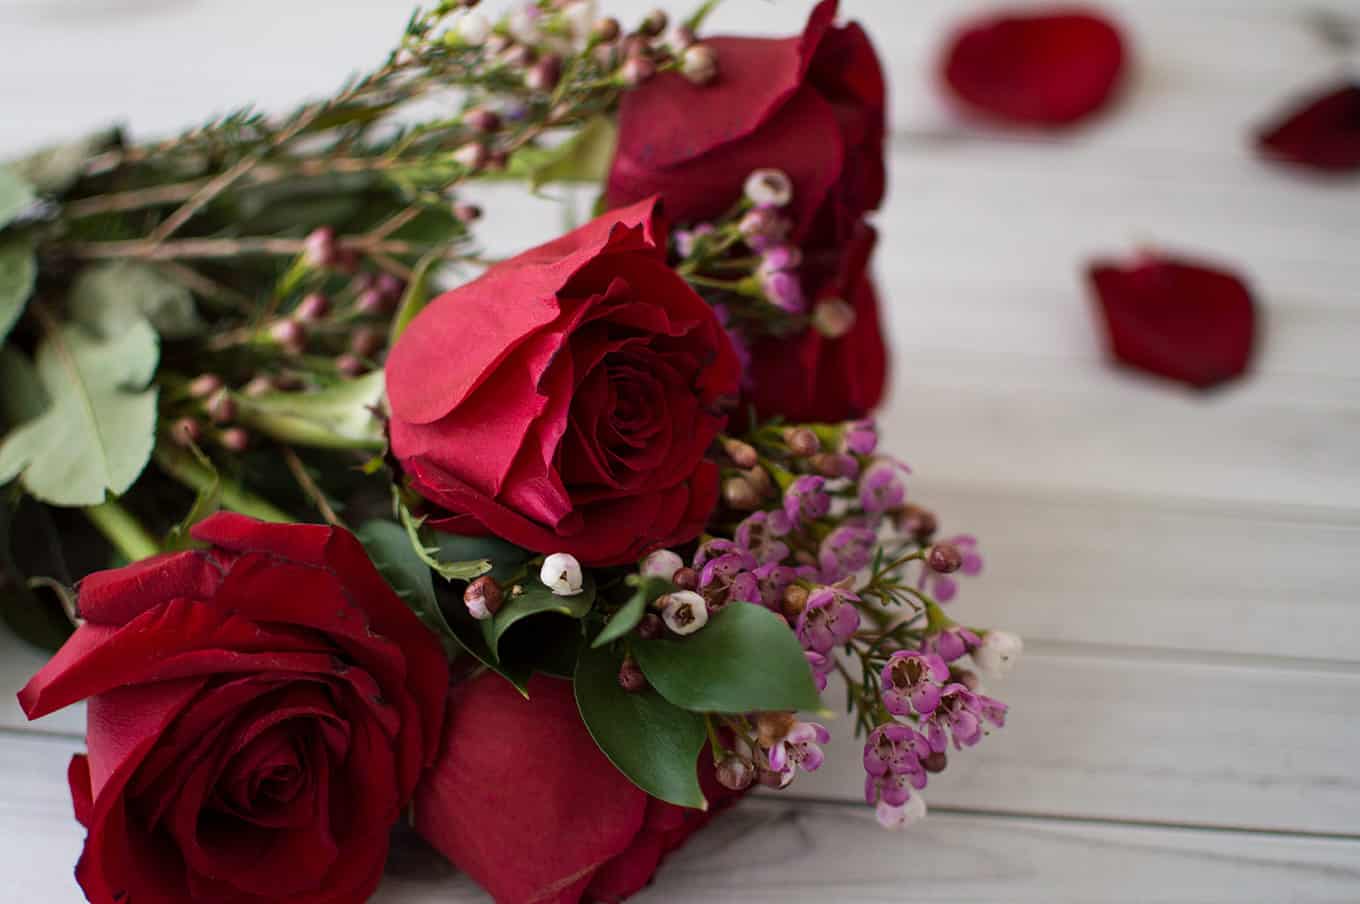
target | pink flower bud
x=186, y=431
x=483, y=598
x=234, y=439
x=637, y=70
x=482, y=120
x=740, y=495
x=663, y=563
x=545, y=75
x=802, y=442
x=312, y=308
x=944, y=558
x=699, y=64
x=350, y=366
x=259, y=386
x=561, y=574
x=319, y=248
x=651, y=626
x=221, y=407
x=374, y=301
x=290, y=335
x=472, y=156
x=654, y=24
x=833, y=318
x=607, y=30
x=631, y=678
x=205, y=385
x=735, y=773
x=366, y=341
x=686, y=579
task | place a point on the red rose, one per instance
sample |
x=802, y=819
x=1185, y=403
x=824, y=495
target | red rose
x=1036, y=68
x=1177, y=319
x=1322, y=133
x=810, y=377
x=524, y=802
x=259, y=713
x=564, y=401
x=812, y=106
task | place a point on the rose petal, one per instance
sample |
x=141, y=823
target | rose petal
x=1177, y=319
x=1322, y=132
x=1035, y=68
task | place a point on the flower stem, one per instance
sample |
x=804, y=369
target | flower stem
x=183, y=468
x=122, y=530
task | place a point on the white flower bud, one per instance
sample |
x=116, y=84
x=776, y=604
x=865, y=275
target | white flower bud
x=684, y=612
x=580, y=17
x=561, y=574
x=769, y=188
x=473, y=28
x=833, y=318
x=998, y=652
x=911, y=812
x=524, y=24
x=662, y=564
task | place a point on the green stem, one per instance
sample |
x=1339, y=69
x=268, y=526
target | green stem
x=183, y=468
x=714, y=742
x=122, y=530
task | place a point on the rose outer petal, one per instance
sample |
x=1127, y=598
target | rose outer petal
x=1321, y=133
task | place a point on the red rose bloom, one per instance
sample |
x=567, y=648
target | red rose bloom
x=1322, y=134
x=810, y=377
x=1177, y=319
x=259, y=713
x=1047, y=69
x=565, y=400
x=524, y=802
x=812, y=106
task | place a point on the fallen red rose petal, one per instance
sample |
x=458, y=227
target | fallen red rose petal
x=1048, y=68
x=1178, y=319
x=1322, y=133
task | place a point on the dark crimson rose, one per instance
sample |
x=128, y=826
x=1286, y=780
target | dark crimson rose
x=810, y=377
x=1177, y=319
x=259, y=713
x=523, y=801
x=565, y=400
x=1323, y=133
x=1045, y=68
x=812, y=106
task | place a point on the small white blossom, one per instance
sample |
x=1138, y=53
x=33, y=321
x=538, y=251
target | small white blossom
x=909, y=813
x=769, y=188
x=561, y=574
x=662, y=564
x=524, y=24
x=580, y=17
x=684, y=612
x=998, y=652
x=473, y=28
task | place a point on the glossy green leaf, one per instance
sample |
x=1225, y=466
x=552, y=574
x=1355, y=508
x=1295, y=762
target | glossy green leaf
x=744, y=660
x=343, y=416
x=24, y=397
x=417, y=295
x=98, y=432
x=109, y=297
x=15, y=195
x=390, y=550
x=18, y=270
x=535, y=600
x=207, y=501
x=427, y=545
x=627, y=618
x=506, y=559
x=654, y=743
x=468, y=633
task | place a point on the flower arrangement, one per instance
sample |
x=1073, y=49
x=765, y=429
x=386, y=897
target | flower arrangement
x=601, y=524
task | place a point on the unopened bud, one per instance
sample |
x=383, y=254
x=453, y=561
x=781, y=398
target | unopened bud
x=699, y=64
x=637, y=70
x=917, y=523
x=769, y=188
x=312, y=308
x=374, y=301
x=735, y=773
x=290, y=335
x=259, y=386
x=350, y=365
x=944, y=558
x=833, y=464
x=186, y=431
x=773, y=727
x=968, y=679
x=631, y=678
x=760, y=481
x=998, y=652
x=561, y=574
x=686, y=579
x=743, y=455
x=681, y=38
x=740, y=495
x=467, y=213
x=482, y=120
x=472, y=156
x=606, y=30
x=366, y=341
x=802, y=442
x=234, y=439
x=833, y=318
x=794, y=601
x=483, y=598
x=472, y=29
x=651, y=626
x=204, y=385
x=663, y=563
x=319, y=248
x=654, y=24
x=935, y=761
x=221, y=407
x=684, y=612
x=545, y=75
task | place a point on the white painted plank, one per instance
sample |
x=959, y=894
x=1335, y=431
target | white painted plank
x=769, y=849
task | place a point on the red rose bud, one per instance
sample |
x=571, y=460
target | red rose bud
x=221, y=407
x=312, y=308
x=483, y=598
x=631, y=678
x=204, y=385
x=699, y=64
x=270, y=679
x=833, y=318
x=1322, y=133
x=234, y=439
x=538, y=388
x=802, y=442
x=1035, y=68
x=1181, y=320
x=735, y=773
x=944, y=558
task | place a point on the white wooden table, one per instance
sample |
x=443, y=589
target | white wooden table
x=1186, y=569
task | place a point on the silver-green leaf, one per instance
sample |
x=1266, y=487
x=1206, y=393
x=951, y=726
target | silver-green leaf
x=343, y=416
x=109, y=297
x=99, y=429
x=18, y=270
x=15, y=195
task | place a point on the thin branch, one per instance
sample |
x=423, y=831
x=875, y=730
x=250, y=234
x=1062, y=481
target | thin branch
x=207, y=249
x=194, y=281
x=309, y=487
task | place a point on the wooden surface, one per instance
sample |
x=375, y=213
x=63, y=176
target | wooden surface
x=1185, y=568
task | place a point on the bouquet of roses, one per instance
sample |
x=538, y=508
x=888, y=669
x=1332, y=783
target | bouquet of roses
x=600, y=522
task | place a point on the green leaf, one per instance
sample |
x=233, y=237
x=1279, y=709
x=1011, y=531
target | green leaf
x=24, y=397
x=416, y=297
x=535, y=600
x=109, y=297
x=391, y=552
x=25, y=612
x=744, y=660
x=15, y=195
x=627, y=618
x=207, y=500
x=427, y=547
x=654, y=743
x=98, y=433
x=505, y=558
x=53, y=170
x=343, y=416
x=584, y=157
x=18, y=270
